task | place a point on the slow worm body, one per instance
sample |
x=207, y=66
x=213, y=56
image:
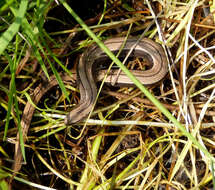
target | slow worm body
x=88, y=90
x=146, y=48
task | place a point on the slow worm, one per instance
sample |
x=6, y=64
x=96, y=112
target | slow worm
x=88, y=90
x=88, y=62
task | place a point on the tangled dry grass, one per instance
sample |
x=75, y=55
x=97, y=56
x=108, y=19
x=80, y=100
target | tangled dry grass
x=128, y=143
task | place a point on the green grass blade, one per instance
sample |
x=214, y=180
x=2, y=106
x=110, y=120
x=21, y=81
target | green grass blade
x=32, y=38
x=13, y=98
x=60, y=82
x=11, y=93
x=6, y=5
x=19, y=127
x=4, y=185
x=8, y=35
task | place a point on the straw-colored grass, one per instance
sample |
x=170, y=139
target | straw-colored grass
x=155, y=137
